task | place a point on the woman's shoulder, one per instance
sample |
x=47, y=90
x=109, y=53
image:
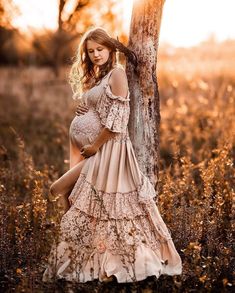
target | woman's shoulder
x=118, y=83
x=118, y=69
x=118, y=75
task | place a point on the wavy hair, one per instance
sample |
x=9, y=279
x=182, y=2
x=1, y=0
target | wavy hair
x=82, y=74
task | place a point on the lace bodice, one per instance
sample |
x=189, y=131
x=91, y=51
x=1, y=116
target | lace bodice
x=105, y=109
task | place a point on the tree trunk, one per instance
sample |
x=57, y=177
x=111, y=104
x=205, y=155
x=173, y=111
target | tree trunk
x=145, y=116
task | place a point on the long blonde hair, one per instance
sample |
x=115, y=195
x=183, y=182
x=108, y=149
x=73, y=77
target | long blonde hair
x=82, y=74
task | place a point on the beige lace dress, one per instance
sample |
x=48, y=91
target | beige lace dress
x=113, y=226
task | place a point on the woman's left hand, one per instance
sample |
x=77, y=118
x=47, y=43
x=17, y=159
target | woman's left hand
x=88, y=150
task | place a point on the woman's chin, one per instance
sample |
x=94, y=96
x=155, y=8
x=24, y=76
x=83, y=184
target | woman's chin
x=99, y=63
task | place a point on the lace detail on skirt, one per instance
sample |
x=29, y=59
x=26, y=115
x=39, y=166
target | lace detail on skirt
x=103, y=206
x=121, y=236
x=89, y=246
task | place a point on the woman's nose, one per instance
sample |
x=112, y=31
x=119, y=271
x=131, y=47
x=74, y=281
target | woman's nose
x=96, y=53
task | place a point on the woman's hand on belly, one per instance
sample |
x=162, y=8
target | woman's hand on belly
x=81, y=110
x=89, y=150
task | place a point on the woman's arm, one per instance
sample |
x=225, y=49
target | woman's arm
x=102, y=138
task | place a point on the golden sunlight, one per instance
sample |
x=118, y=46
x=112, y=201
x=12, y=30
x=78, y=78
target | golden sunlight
x=189, y=22
x=36, y=14
x=184, y=22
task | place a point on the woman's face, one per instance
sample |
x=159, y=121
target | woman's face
x=97, y=53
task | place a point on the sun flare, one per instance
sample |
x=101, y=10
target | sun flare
x=184, y=22
x=36, y=14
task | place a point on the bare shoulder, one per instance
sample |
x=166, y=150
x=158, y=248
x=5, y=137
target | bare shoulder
x=118, y=74
x=118, y=82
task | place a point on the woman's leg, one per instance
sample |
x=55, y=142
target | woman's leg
x=74, y=154
x=66, y=182
x=64, y=185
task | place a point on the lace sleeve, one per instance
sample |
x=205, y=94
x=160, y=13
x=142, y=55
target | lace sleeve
x=113, y=110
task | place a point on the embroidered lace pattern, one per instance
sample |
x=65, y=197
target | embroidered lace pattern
x=113, y=110
x=106, y=206
x=98, y=222
x=119, y=236
x=87, y=125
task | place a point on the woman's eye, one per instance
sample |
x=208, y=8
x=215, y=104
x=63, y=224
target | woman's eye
x=100, y=49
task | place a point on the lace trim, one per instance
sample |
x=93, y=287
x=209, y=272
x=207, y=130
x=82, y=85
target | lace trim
x=118, y=236
x=146, y=190
x=83, y=234
x=114, y=97
x=82, y=237
x=113, y=110
x=121, y=137
x=103, y=205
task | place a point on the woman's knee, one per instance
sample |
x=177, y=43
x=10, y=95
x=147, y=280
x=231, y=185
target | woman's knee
x=57, y=188
x=53, y=188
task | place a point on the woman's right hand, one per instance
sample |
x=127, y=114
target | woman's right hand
x=81, y=110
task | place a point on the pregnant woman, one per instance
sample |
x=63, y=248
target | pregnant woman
x=112, y=228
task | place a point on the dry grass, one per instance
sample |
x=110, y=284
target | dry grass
x=196, y=177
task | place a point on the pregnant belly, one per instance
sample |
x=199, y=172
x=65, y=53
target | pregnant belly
x=85, y=128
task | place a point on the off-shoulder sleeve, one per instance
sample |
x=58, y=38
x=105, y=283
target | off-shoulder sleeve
x=113, y=110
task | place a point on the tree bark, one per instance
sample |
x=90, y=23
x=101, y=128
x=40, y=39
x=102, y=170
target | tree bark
x=145, y=116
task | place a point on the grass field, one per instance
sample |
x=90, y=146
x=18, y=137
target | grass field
x=197, y=148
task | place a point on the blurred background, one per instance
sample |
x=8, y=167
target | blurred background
x=196, y=78
x=38, y=41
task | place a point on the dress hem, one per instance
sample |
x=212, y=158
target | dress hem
x=155, y=267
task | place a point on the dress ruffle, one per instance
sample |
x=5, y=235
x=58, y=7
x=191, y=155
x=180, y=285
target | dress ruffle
x=130, y=249
x=143, y=262
x=113, y=110
x=103, y=205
